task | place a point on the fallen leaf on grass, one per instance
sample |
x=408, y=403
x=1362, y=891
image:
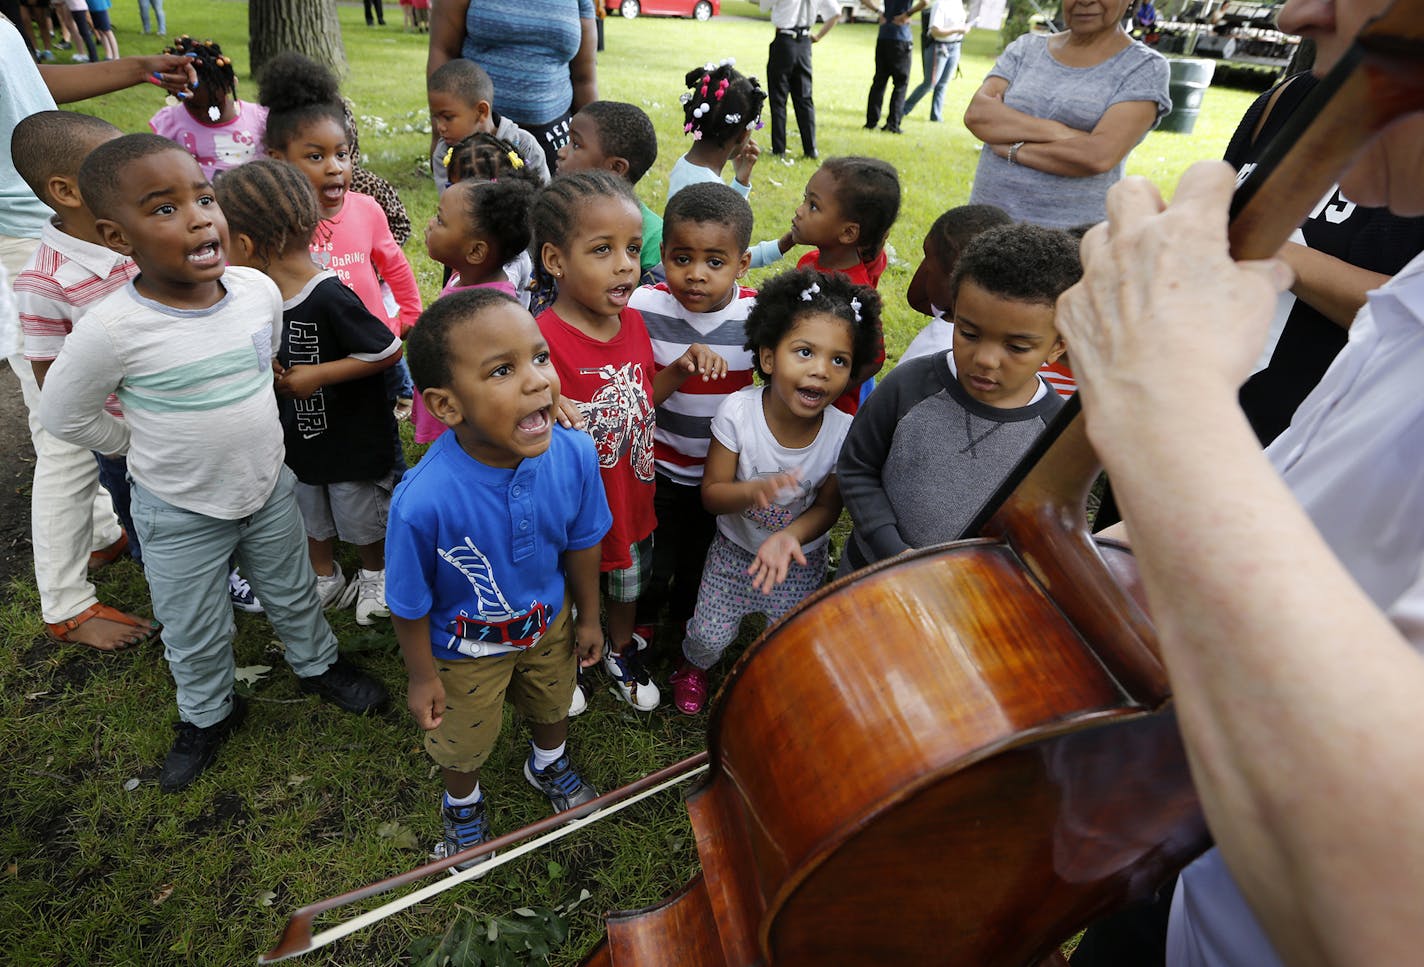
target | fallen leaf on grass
x=163, y=893
x=251, y=674
x=296, y=781
x=399, y=835
x=131, y=785
x=265, y=897
x=12, y=869
x=31, y=696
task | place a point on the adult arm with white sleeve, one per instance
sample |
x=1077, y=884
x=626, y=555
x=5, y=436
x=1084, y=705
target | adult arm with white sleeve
x=1297, y=697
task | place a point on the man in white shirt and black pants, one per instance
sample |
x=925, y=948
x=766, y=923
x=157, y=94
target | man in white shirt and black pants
x=788, y=66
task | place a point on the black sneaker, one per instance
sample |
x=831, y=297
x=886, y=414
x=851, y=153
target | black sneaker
x=465, y=826
x=347, y=687
x=564, y=787
x=195, y=747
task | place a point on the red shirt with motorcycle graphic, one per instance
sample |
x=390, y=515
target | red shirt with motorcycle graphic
x=612, y=383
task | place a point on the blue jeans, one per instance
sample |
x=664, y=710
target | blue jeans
x=186, y=562
x=940, y=60
x=157, y=6
x=114, y=476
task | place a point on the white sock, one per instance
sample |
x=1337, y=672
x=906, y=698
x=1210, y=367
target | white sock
x=469, y=800
x=544, y=758
x=373, y=574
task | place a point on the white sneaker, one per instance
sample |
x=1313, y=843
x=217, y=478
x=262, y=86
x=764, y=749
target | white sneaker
x=579, y=704
x=240, y=592
x=367, y=591
x=631, y=679
x=330, y=586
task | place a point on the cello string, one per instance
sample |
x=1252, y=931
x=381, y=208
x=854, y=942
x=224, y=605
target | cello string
x=456, y=878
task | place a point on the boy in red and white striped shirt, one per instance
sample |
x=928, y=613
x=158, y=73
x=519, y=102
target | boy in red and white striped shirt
x=707, y=231
x=70, y=272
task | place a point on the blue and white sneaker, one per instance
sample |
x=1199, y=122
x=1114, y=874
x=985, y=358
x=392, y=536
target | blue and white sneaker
x=635, y=686
x=241, y=594
x=465, y=826
x=564, y=787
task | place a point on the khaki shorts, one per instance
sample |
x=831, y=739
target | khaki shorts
x=538, y=681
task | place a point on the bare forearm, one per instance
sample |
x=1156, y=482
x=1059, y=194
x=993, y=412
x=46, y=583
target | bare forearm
x=1077, y=157
x=581, y=573
x=583, y=70
x=77, y=82
x=992, y=121
x=1236, y=576
x=1333, y=288
x=414, y=639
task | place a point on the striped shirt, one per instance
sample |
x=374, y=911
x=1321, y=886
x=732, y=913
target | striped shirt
x=684, y=421
x=201, y=429
x=65, y=277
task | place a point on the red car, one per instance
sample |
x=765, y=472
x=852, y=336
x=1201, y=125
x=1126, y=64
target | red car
x=696, y=9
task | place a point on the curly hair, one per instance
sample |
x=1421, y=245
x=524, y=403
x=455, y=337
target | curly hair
x=53, y=143
x=554, y=215
x=101, y=170
x=272, y=203
x=867, y=191
x=625, y=131
x=213, y=67
x=782, y=300
x=710, y=202
x=498, y=212
x=297, y=91
x=1024, y=263
x=485, y=157
x=427, y=348
x=721, y=104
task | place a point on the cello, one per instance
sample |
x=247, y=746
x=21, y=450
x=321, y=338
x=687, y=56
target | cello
x=986, y=752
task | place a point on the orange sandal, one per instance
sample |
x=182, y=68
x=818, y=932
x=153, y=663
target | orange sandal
x=60, y=631
x=108, y=555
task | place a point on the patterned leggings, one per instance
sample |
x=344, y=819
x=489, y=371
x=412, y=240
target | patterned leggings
x=726, y=596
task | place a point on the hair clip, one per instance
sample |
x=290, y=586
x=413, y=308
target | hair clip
x=215, y=113
x=704, y=90
x=697, y=135
x=449, y=154
x=810, y=292
x=855, y=308
x=730, y=62
x=753, y=125
x=709, y=67
x=515, y=161
x=687, y=128
x=732, y=118
x=685, y=97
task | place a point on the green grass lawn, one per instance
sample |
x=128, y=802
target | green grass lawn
x=305, y=801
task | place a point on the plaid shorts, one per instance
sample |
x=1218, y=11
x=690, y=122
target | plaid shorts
x=627, y=585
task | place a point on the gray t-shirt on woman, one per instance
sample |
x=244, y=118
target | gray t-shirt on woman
x=1077, y=97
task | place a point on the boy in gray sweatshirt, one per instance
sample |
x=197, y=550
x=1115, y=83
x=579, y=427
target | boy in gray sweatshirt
x=941, y=432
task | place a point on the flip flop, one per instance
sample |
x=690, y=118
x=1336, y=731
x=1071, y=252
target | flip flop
x=60, y=631
x=108, y=555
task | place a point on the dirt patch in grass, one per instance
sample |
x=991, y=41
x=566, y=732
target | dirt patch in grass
x=228, y=810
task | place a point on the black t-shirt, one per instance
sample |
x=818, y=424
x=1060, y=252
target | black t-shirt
x=1370, y=238
x=343, y=432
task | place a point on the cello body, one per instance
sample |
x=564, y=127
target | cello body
x=958, y=756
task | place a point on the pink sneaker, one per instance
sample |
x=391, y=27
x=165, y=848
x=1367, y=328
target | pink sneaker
x=689, y=689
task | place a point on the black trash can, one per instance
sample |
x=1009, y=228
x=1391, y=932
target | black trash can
x=1190, y=79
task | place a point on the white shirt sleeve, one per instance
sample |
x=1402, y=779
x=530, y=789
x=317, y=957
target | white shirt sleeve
x=86, y=371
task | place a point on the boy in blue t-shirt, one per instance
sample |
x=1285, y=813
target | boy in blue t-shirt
x=483, y=535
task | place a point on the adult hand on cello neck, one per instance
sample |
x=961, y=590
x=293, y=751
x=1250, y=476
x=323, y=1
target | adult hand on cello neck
x=1160, y=290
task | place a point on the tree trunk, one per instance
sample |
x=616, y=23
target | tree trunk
x=308, y=26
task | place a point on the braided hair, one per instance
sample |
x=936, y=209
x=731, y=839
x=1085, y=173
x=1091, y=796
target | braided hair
x=297, y=91
x=867, y=192
x=722, y=103
x=272, y=203
x=485, y=157
x=554, y=215
x=782, y=300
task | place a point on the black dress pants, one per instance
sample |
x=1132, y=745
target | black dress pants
x=892, y=62
x=375, y=6
x=788, y=71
